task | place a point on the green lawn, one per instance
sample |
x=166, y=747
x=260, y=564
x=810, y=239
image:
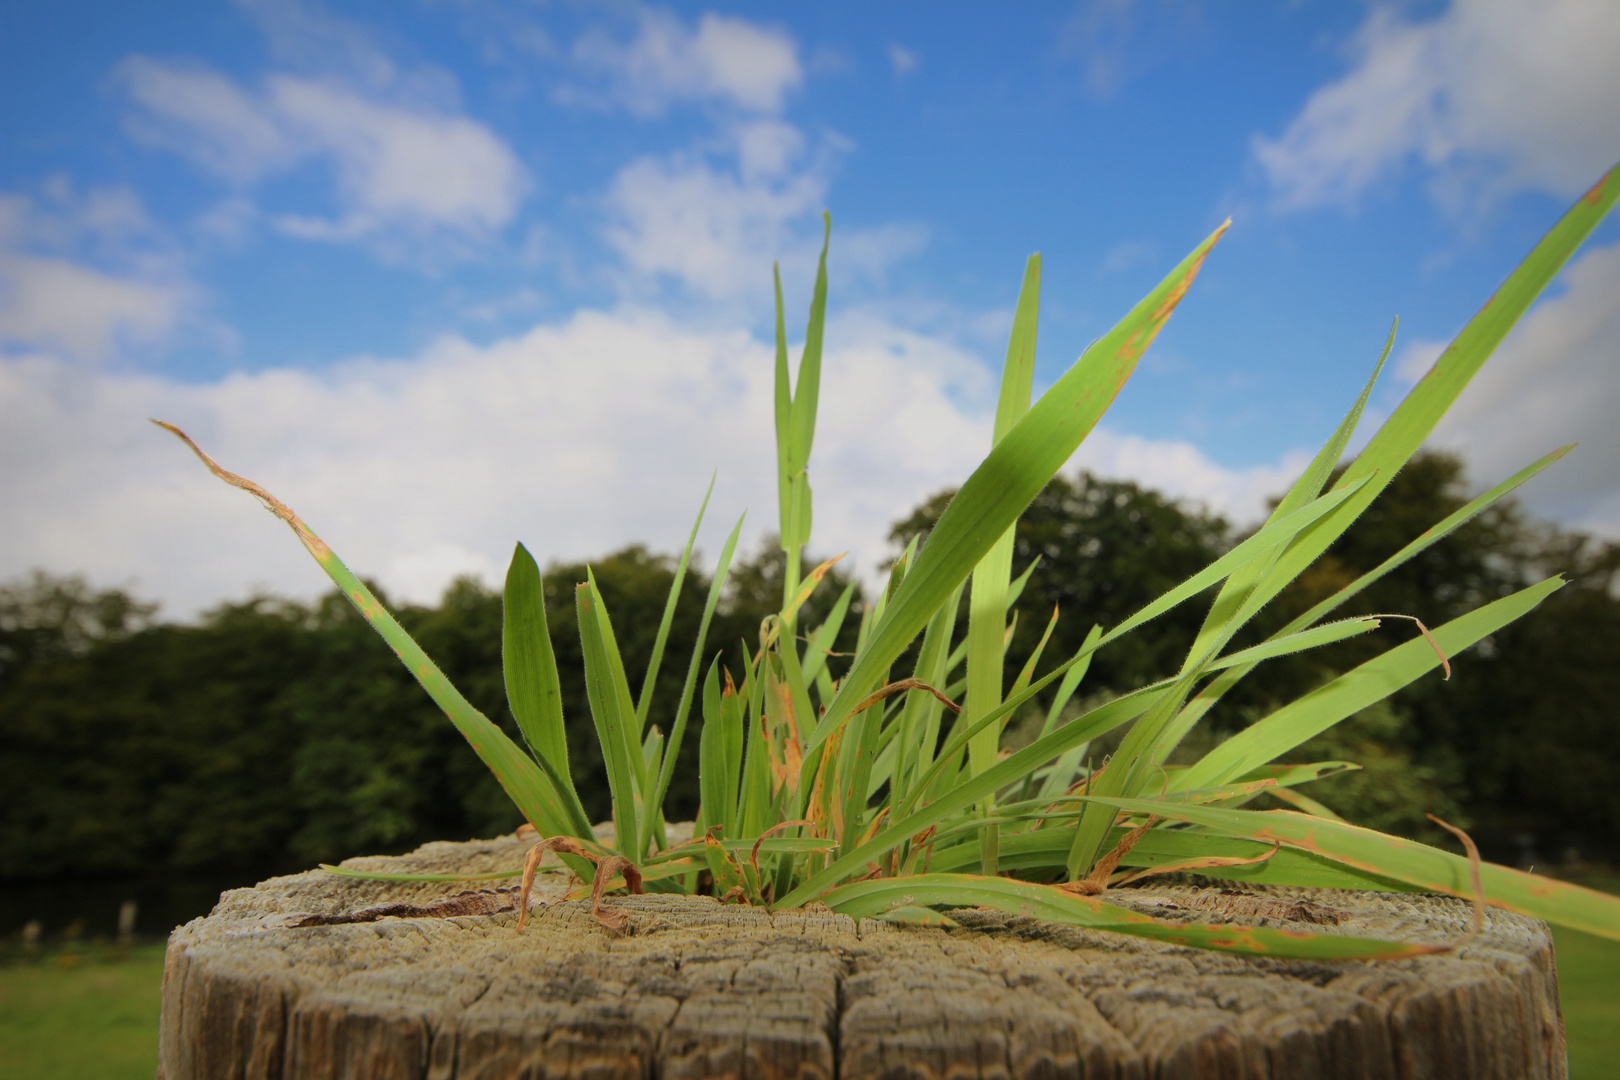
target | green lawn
x=98, y=1020
x=1589, y=986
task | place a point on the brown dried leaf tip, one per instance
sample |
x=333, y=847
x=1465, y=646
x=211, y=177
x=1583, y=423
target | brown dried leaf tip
x=1097, y=880
x=1474, y=878
x=605, y=869
x=317, y=547
x=1445, y=663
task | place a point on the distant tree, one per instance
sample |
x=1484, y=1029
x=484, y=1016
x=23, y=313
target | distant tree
x=44, y=618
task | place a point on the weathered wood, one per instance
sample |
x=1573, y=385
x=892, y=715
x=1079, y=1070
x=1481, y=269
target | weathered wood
x=313, y=977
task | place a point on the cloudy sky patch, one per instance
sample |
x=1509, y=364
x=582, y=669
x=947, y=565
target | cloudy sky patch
x=445, y=278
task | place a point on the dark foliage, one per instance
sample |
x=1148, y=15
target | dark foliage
x=274, y=735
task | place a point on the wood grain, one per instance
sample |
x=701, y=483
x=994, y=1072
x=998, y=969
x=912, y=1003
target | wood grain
x=317, y=977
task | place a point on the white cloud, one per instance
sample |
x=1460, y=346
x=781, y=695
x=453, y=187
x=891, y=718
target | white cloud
x=82, y=274
x=721, y=58
x=710, y=217
x=711, y=228
x=410, y=167
x=1556, y=379
x=205, y=116
x=575, y=438
x=1491, y=96
x=60, y=305
x=1100, y=33
x=902, y=60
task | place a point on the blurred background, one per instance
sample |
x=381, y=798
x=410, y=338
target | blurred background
x=454, y=274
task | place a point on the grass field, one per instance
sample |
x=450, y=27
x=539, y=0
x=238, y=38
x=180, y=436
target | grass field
x=98, y=1020
x=1589, y=989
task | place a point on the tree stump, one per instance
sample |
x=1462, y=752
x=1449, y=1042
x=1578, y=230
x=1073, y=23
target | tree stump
x=318, y=976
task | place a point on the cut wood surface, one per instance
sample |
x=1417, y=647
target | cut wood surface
x=318, y=976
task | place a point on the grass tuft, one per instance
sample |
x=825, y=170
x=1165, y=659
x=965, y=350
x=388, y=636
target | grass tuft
x=883, y=774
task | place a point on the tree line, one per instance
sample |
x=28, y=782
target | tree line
x=272, y=734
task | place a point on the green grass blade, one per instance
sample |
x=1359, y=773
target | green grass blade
x=518, y=774
x=1402, y=860
x=821, y=642
x=1295, y=643
x=1230, y=609
x=1126, y=770
x=677, y=731
x=528, y=663
x=795, y=437
x=613, y=716
x=1131, y=764
x=1015, y=471
x=1027, y=673
x=533, y=692
x=650, y=679
x=1071, y=679
x=919, y=719
x=807, y=388
x=1206, y=698
x=1430, y=537
x=1045, y=850
x=1412, y=421
x=784, y=419
x=988, y=597
x=1016, y=589
x=717, y=782
x=865, y=899
x=1018, y=373
x=620, y=682
x=1256, y=547
x=1371, y=682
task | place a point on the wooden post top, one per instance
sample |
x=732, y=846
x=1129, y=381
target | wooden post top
x=318, y=976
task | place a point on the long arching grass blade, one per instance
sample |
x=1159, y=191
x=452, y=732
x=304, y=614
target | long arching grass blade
x=1207, y=697
x=868, y=898
x=519, y=776
x=1412, y=421
x=1402, y=860
x=1046, y=850
x=1371, y=682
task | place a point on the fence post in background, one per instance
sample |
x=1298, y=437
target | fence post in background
x=126, y=925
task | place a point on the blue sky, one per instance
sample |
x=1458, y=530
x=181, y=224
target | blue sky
x=447, y=275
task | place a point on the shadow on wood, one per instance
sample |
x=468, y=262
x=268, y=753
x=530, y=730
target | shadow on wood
x=317, y=976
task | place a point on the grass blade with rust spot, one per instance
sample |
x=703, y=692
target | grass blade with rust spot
x=1402, y=860
x=1371, y=682
x=870, y=898
x=522, y=780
